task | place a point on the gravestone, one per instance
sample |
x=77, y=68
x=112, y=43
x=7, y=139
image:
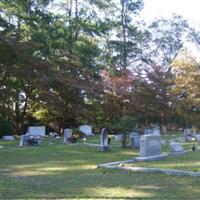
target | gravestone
x=36, y=130
x=197, y=136
x=68, y=135
x=187, y=131
x=176, y=148
x=86, y=129
x=135, y=140
x=148, y=131
x=189, y=138
x=163, y=142
x=24, y=140
x=156, y=131
x=29, y=140
x=53, y=136
x=104, y=140
x=150, y=145
x=181, y=139
x=118, y=138
x=8, y=137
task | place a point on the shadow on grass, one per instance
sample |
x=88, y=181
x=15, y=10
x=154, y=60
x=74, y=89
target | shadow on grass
x=69, y=172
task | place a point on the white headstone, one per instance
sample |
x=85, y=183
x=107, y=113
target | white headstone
x=86, y=129
x=36, y=130
x=8, y=137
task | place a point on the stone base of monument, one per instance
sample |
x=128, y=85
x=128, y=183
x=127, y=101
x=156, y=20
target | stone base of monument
x=176, y=153
x=150, y=158
x=103, y=148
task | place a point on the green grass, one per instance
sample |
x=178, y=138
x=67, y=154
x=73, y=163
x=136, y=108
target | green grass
x=189, y=162
x=59, y=171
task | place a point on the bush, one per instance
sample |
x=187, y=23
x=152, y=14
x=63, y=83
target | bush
x=5, y=127
x=124, y=125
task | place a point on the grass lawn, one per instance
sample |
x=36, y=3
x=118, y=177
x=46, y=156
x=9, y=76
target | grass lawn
x=189, y=161
x=60, y=171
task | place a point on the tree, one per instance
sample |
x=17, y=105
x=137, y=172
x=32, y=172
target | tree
x=163, y=42
x=186, y=89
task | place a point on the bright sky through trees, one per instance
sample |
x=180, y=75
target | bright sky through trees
x=189, y=9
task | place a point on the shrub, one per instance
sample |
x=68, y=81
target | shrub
x=124, y=125
x=5, y=127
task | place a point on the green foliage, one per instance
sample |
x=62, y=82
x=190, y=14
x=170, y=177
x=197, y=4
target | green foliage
x=5, y=127
x=50, y=64
x=125, y=124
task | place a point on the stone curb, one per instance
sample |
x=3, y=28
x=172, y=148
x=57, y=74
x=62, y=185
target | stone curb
x=119, y=165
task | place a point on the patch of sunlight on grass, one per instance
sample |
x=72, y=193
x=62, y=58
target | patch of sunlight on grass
x=121, y=192
x=48, y=170
x=49, y=163
x=182, y=165
x=175, y=165
x=132, y=153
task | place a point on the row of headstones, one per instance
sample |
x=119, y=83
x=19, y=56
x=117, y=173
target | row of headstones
x=25, y=139
x=103, y=138
x=34, y=139
x=150, y=145
x=189, y=136
x=135, y=138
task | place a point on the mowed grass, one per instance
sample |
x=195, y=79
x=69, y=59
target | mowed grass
x=189, y=162
x=60, y=171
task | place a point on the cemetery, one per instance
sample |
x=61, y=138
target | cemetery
x=101, y=165
x=99, y=100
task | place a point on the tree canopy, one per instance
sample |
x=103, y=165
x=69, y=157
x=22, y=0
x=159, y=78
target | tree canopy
x=93, y=62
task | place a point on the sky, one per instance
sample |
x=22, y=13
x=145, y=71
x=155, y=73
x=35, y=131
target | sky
x=189, y=9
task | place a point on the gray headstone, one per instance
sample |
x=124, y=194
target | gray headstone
x=197, y=136
x=104, y=140
x=156, y=131
x=67, y=135
x=86, y=129
x=8, y=137
x=175, y=148
x=118, y=138
x=24, y=140
x=187, y=131
x=148, y=131
x=29, y=140
x=163, y=142
x=181, y=139
x=190, y=138
x=150, y=145
x=135, y=140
